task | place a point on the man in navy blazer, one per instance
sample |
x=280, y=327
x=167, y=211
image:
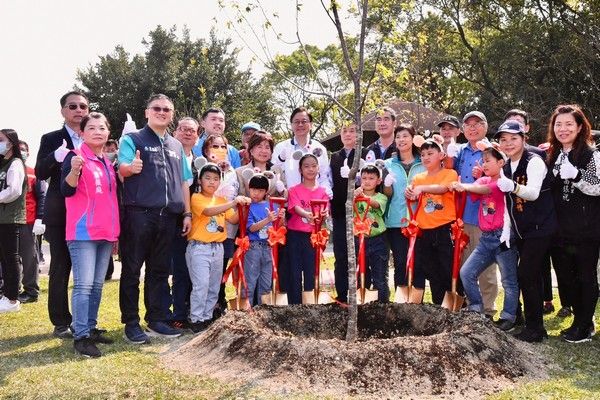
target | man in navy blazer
x=54, y=146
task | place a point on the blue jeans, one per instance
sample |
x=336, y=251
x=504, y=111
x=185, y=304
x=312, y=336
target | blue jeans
x=258, y=270
x=90, y=262
x=488, y=250
x=205, y=263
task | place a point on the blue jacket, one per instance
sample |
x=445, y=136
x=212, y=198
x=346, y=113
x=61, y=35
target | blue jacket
x=397, y=212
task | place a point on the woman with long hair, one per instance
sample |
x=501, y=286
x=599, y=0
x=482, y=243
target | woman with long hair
x=13, y=186
x=575, y=165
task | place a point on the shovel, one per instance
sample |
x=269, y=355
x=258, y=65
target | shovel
x=276, y=237
x=362, y=227
x=319, y=239
x=452, y=300
x=409, y=293
x=243, y=243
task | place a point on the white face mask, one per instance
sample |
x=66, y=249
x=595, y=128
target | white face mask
x=4, y=147
x=111, y=156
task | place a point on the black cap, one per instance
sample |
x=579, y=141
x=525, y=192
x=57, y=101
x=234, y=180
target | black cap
x=477, y=114
x=510, y=126
x=449, y=119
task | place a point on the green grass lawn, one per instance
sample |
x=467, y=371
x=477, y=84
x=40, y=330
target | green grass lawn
x=34, y=365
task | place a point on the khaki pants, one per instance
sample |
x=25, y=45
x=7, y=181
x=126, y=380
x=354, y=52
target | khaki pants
x=488, y=280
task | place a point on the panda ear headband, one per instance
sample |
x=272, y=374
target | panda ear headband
x=485, y=144
x=436, y=140
x=249, y=173
x=202, y=163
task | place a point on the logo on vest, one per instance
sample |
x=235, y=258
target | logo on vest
x=152, y=149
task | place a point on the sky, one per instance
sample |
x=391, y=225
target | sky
x=44, y=43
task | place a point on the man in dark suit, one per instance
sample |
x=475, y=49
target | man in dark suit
x=54, y=146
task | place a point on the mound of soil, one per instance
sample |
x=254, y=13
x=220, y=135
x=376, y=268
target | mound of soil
x=403, y=351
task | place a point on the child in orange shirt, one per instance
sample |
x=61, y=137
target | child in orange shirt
x=434, y=249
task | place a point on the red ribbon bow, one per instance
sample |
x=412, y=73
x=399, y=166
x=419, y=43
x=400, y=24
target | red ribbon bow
x=243, y=244
x=319, y=239
x=276, y=235
x=362, y=227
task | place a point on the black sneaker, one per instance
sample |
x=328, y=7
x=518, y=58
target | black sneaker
x=504, y=325
x=519, y=321
x=159, y=328
x=198, y=327
x=63, y=332
x=97, y=336
x=564, y=312
x=532, y=336
x=134, y=334
x=86, y=347
x=578, y=335
x=571, y=329
x=548, y=307
x=26, y=298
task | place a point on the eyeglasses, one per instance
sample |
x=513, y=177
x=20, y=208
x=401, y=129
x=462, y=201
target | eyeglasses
x=186, y=130
x=72, y=107
x=159, y=109
x=301, y=122
x=219, y=146
x=475, y=125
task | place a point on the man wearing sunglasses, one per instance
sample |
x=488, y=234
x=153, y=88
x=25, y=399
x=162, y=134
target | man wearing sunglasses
x=156, y=193
x=54, y=146
x=213, y=123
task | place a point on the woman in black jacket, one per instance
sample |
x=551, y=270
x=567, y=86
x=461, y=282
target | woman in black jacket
x=575, y=165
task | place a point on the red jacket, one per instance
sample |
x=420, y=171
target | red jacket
x=30, y=196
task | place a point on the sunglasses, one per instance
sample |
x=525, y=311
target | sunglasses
x=219, y=146
x=73, y=107
x=159, y=109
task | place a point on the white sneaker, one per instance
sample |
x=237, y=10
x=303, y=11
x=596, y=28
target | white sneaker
x=6, y=306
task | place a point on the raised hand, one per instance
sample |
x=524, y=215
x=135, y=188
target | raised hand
x=505, y=184
x=452, y=149
x=77, y=164
x=137, y=164
x=389, y=180
x=61, y=152
x=477, y=170
x=568, y=170
x=345, y=170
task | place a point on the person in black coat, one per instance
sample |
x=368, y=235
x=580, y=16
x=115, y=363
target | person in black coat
x=54, y=146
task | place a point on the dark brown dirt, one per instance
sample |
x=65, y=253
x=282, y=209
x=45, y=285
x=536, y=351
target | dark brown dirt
x=403, y=351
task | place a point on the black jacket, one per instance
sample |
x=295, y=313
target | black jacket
x=47, y=168
x=340, y=185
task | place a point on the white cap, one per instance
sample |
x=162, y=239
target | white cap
x=129, y=125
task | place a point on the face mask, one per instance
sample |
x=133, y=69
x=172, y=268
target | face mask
x=25, y=155
x=4, y=148
x=111, y=156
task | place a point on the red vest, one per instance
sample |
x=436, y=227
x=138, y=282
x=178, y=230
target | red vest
x=30, y=199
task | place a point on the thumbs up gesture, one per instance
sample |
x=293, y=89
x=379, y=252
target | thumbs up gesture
x=61, y=152
x=568, y=170
x=137, y=163
x=77, y=164
x=505, y=184
x=477, y=170
x=345, y=170
x=452, y=149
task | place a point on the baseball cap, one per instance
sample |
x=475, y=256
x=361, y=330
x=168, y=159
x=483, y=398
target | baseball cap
x=250, y=125
x=510, y=126
x=477, y=114
x=449, y=119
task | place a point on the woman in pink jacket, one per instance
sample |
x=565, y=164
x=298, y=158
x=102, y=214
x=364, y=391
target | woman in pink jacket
x=89, y=186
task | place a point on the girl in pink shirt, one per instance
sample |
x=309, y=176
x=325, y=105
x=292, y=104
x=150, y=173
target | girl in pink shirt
x=494, y=244
x=301, y=254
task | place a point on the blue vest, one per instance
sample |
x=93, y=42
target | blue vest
x=159, y=183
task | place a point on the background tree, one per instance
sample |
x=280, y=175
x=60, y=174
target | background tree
x=196, y=74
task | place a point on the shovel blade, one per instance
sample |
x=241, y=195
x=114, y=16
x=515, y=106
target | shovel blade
x=409, y=294
x=453, y=301
x=280, y=299
x=239, y=304
x=308, y=297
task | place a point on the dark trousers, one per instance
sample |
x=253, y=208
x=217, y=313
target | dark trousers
x=301, y=263
x=564, y=275
x=529, y=273
x=340, y=265
x=228, y=250
x=9, y=259
x=182, y=285
x=148, y=234
x=29, y=260
x=60, y=269
x=547, y=278
x=399, y=246
x=377, y=258
x=577, y=266
x=433, y=256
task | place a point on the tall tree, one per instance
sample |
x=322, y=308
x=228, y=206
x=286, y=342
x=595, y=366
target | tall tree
x=196, y=74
